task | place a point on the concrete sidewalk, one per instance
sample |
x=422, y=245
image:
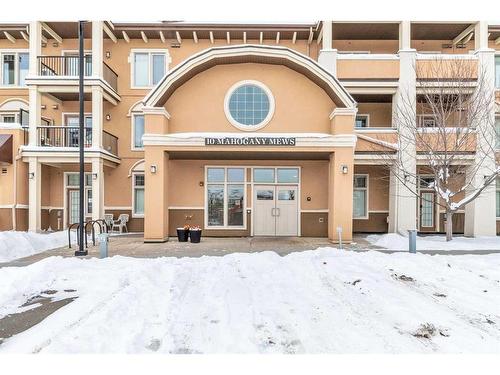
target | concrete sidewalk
x=132, y=245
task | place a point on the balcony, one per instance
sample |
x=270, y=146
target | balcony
x=366, y=66
x=68, y=137
x=67, y=66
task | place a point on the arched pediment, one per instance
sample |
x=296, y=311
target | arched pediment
x=238, y=54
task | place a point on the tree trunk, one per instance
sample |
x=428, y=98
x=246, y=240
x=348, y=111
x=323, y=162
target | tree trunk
x=449, y=225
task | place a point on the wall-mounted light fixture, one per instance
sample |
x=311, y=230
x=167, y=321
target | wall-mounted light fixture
x=108, y=54
x=43, y=106
x=344, y=169
x=153, y=169
x=31, y=175
x=201, y=183
x=108, y=117
x=94, y=176
x=55, y=106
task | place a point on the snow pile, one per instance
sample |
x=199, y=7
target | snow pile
x=321, y=301
x=394, y=241
x=15, y=245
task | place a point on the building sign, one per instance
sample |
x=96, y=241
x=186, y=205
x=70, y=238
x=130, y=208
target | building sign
x=250, y=141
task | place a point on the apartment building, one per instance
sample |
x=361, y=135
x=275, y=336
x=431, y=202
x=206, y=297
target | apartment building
x=241, y=129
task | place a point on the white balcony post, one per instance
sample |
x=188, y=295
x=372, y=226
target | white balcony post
x=97, y=189
x=35, y=46
x=403, y=202
x=328, y=55
x=97, y=116
x=35, y=99
x=480, y=214
x=97, y=48
x=34, y=194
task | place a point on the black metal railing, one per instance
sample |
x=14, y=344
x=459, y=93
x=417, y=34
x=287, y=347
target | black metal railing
x=110, y=142
x=62, y=136
x=67, y=66
x=110, y=76
x=63, y=65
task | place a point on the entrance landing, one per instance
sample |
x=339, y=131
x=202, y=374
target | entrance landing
x=133, y=246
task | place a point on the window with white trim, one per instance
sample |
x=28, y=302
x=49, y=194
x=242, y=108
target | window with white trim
x=15, y=66
x=498, y=197
x=360, y=196
x=362, y=121
x=497, y=72
x=73, y=182
x=225, y=195
x=8, y=118
x=137, y=131
x=148, y=68
x=497, y=130
x=138, y=191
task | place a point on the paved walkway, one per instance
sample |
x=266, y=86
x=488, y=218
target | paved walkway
x=133, y=246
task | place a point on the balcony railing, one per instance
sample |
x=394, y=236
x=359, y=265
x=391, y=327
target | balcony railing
x=63, y=66
x=68, y=136
x=110, y=76
x=110, y=142
x=67, y=66
x=62, y=136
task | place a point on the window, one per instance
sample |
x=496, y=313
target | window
x=73, y=183
x=73, y=179
x=263, y=175
x=8, y=118
x=138, y=131
x=249, y=105
x=360, y=197
x=426, y=182
x=426, y=121
x=138, y=191
x=276, y=175
x=498, y=196
x=497, y=129
x=225, y=197
x=15, y=67
x=497, y=72
x=362, y=121
x=288, y=175
x=149, y=67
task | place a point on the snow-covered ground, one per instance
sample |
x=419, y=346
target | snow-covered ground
x=15, y=245
x=325, y=300
x=394, y=241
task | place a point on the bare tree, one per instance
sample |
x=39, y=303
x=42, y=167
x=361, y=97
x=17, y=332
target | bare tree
x=452, y=131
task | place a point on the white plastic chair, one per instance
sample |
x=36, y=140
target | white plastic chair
x=109, y=220
x=120, y=223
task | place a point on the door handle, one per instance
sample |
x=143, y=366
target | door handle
x=279, y=211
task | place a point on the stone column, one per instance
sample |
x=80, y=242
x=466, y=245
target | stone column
x=340, y=194
x=480, y=214
x=402, y=200
x=328, y=55
x=34, y=194
x=97, y=188
x=156, y=162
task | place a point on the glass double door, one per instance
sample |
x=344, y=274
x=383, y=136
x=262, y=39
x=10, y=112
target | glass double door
x=275, y=210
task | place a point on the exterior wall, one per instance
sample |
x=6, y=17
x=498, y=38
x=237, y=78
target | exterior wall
x=380, y=114
x=299, y=101
x=378, y=200
x=366, y=69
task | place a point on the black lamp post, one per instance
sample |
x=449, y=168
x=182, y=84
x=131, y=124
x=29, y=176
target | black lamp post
x=81, y=232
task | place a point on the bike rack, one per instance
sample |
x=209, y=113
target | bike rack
x=77, y=226
x=99, y=222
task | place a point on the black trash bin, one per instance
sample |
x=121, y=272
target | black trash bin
x=182, y=234
x=195, y=235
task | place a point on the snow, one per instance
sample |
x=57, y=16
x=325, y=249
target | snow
x=15, y=245
x=326, y=300
x=394, y=241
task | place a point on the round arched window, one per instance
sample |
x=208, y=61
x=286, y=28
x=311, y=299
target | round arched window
x=249, y=105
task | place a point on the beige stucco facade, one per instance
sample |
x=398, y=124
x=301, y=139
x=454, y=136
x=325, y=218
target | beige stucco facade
x=319, y=83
